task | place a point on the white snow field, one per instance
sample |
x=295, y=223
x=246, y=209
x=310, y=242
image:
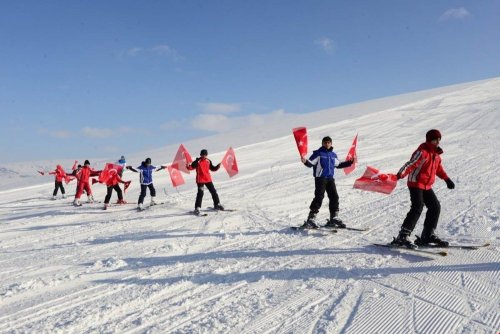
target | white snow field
x=85, y=270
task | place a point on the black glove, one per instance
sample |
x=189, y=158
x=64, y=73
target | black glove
x=450, y=184
x=345, y=164
x=398, y=175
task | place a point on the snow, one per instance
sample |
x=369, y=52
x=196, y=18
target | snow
x=85, y=270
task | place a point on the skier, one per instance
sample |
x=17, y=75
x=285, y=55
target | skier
x=146, y=179
x=203, y=166
x=60, y=174
x=424, y=165
x=112, y=183
x=324, y=161
x=83, y=176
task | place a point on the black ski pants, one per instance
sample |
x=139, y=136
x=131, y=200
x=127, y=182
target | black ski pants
x=320, y=185
x=144, y=187
x=118, y=190
x=419, y=198
x=58, y=184
x=199, y=195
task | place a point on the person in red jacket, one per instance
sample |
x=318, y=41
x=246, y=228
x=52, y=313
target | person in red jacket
x=203, y=166
x=112, y=183
x=83, y=176
x=60, y=175
x=424, y=165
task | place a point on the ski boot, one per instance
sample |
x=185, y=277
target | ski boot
x=311, y=221
x=335, y=222
x=105, y=207
x=54, y=197
x=196, y=211
x=76, y=202
x=140, y=207
x=403, y=240
x=63, y=195
x=218, y=207
x=153, y=201
x=433, y=240
x=90, y=199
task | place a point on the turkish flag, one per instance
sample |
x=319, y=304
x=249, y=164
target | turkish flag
x=127, y=184
x=175, y=175
x=229, y=162
x=181, y=159
x=373, y=180
x=104, y=176
x=352, y=156
x=300, y=135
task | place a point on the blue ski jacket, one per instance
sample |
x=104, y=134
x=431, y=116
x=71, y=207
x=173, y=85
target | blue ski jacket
x=323, y=162
x=146, y=176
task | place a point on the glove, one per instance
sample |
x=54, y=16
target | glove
x=398, y=175
x=345, y=164
x=450, y=184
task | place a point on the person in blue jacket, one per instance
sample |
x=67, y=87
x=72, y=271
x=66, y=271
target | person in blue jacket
x=324, y=161
x=146, y=178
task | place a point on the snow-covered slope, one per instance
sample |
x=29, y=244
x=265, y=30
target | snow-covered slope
x=80, y=270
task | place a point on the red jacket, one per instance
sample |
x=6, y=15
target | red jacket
x=203, y=167
x=59, y=173
x=85, y=173
x=114, y=180
x=424, y=165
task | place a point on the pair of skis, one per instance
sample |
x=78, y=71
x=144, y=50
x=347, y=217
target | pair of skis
x=426, y=249
x=210, y=209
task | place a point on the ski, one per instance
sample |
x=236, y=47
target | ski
x=346, y=228
x=416, y=250
x=200, y=214
x=320, y=229
x=227, y=210
x=468, y=247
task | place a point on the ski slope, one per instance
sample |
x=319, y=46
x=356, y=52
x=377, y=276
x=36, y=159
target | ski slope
x=85, y=270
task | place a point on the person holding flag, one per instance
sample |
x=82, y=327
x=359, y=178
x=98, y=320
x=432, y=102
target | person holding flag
x=60, y=175
x=146, y=177
x=112, y=183
x=324, y=161
x=203, y=166
x=83, y=175
x=424, y=165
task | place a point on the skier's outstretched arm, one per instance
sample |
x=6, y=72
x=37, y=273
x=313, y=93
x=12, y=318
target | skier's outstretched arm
x=132, y=169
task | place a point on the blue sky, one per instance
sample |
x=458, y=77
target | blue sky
x=105, y=78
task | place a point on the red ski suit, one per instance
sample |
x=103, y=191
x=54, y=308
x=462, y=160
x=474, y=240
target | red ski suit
x=424, y=165
x=83, y=180
x=203, y=167
x=59, y=173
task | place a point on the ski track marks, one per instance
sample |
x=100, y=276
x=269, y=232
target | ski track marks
x=67, y=269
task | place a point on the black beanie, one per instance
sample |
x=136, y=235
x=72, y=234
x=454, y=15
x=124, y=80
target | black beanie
x=432, y=134
x=204, y=152
x=148, y=161
x=86, y=163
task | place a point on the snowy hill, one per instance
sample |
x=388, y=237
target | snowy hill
x=83, y=270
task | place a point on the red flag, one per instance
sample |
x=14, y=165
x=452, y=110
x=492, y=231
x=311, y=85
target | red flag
x=74, y=165
x=104, y=176
x=175, y=175
x=352, y=156
x=229, y=162
x=94, y=181
x=127, y=184
x=300, y=135
x=181, y=159
x=68, y=178
x=373, y=180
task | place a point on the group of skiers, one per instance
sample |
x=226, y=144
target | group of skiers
x=202, y=165
x=422, y=169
